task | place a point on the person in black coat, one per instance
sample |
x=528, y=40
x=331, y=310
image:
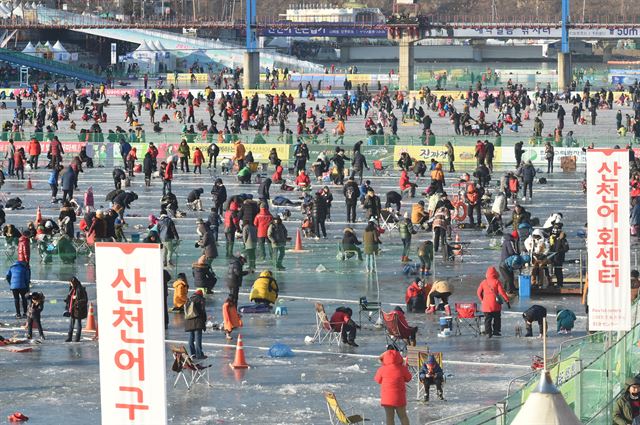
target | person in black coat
x=248, y=211
x=358, y=164
x=68, y=183
x=218, y=195
x=147, y=168
x=75, y=308
x=206, y=242
x=235, y=275
x=118, y=175
x=123, y=201
x=196, y=324
x=393, y=198
x=535, y=313
x=263, y=190
x=319, y=209
x=351, y=193
x=203, y=276
x=193, y=199
x=338, y=160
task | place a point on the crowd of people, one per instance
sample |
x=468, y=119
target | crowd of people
x=264, y=224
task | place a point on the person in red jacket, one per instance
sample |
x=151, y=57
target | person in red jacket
x=406, y=332
x=276, y=178
x=392, y=377
x=132, y=157
x=302, y=181
x=492, y=295
x=405, y=185
x=416, y=297
x=24, y=249
x=56, y=151
x=34, y=153
x=341, y=322
x=166, y=172
x=198, y=159
x=262, y=222
x=18, y=161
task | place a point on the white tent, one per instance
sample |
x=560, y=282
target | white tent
x=30, y=50
x=18, y=11
x=545, y=405
x=60, y=54
x=48, y=45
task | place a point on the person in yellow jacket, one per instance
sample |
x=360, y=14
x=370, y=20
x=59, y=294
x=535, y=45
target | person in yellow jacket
x=265, y=289
x=443, y=290
x=180, y=292
x=231, y=319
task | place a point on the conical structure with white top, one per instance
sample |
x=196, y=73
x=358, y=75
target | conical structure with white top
x=546, y=406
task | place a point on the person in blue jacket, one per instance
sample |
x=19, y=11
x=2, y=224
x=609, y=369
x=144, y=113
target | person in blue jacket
x=19, y=277
x=431, y=373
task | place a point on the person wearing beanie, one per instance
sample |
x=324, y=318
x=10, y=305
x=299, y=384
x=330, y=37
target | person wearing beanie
x=195, y=316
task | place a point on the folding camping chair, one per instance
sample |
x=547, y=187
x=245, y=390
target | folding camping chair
x=379, y=169
x=324, y=330
x=389, y=219
x=369, y=308
x=184, y=365
x=336, y=414
x=416, y=356
x=345, y=254
x=393, y=332
x=467, y=314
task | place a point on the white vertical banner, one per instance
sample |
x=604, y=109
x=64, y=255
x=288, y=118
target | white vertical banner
x=608, y=240
x=131, y=324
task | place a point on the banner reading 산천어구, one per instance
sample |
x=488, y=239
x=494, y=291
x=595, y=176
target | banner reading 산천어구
x=129, y=280
x=608, y=240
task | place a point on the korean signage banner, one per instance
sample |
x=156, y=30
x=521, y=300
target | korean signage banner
x=131, y=322
x=608, y=240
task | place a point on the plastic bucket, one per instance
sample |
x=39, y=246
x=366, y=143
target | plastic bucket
x=446, y=322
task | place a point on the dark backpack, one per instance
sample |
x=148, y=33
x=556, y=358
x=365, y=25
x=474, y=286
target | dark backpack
x=190, y=310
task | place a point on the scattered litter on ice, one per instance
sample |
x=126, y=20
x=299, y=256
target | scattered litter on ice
x=321, y=268
x=309, y=339
x=280, y=350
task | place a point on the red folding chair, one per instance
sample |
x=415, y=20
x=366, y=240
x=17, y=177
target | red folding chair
x=467, y=315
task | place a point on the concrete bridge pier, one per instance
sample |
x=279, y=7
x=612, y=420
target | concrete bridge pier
x=251, y=70
x=564, y=70
x=406, y=69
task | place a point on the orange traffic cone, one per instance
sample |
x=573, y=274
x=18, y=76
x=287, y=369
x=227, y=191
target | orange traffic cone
x=29, y=184
x=298, y=246
x=240, y=362
x=457, y=247
x=91, y=321
x=38, y=216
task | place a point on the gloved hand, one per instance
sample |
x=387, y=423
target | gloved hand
x=509, y=306
x=66, y=314
x=197, y=244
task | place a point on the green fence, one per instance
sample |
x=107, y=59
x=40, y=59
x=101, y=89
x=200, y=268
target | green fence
x=589, y=371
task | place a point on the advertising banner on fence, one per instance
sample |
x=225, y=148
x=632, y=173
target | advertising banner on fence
x=131, y=324
x=608, y=240
x=463, y=154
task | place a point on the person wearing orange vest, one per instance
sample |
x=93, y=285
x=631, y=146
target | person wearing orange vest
x=238, y=154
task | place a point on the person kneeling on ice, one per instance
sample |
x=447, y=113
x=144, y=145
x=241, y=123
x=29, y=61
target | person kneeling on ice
x=406, y=332
x=443, y=290
x=565, y=319
x=231, y=319
x=265, y=289
x=341, y=322
x=535, y=313
x=416, y=296
x=431, y=374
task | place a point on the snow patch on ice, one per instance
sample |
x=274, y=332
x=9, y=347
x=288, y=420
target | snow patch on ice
x=353, y=368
